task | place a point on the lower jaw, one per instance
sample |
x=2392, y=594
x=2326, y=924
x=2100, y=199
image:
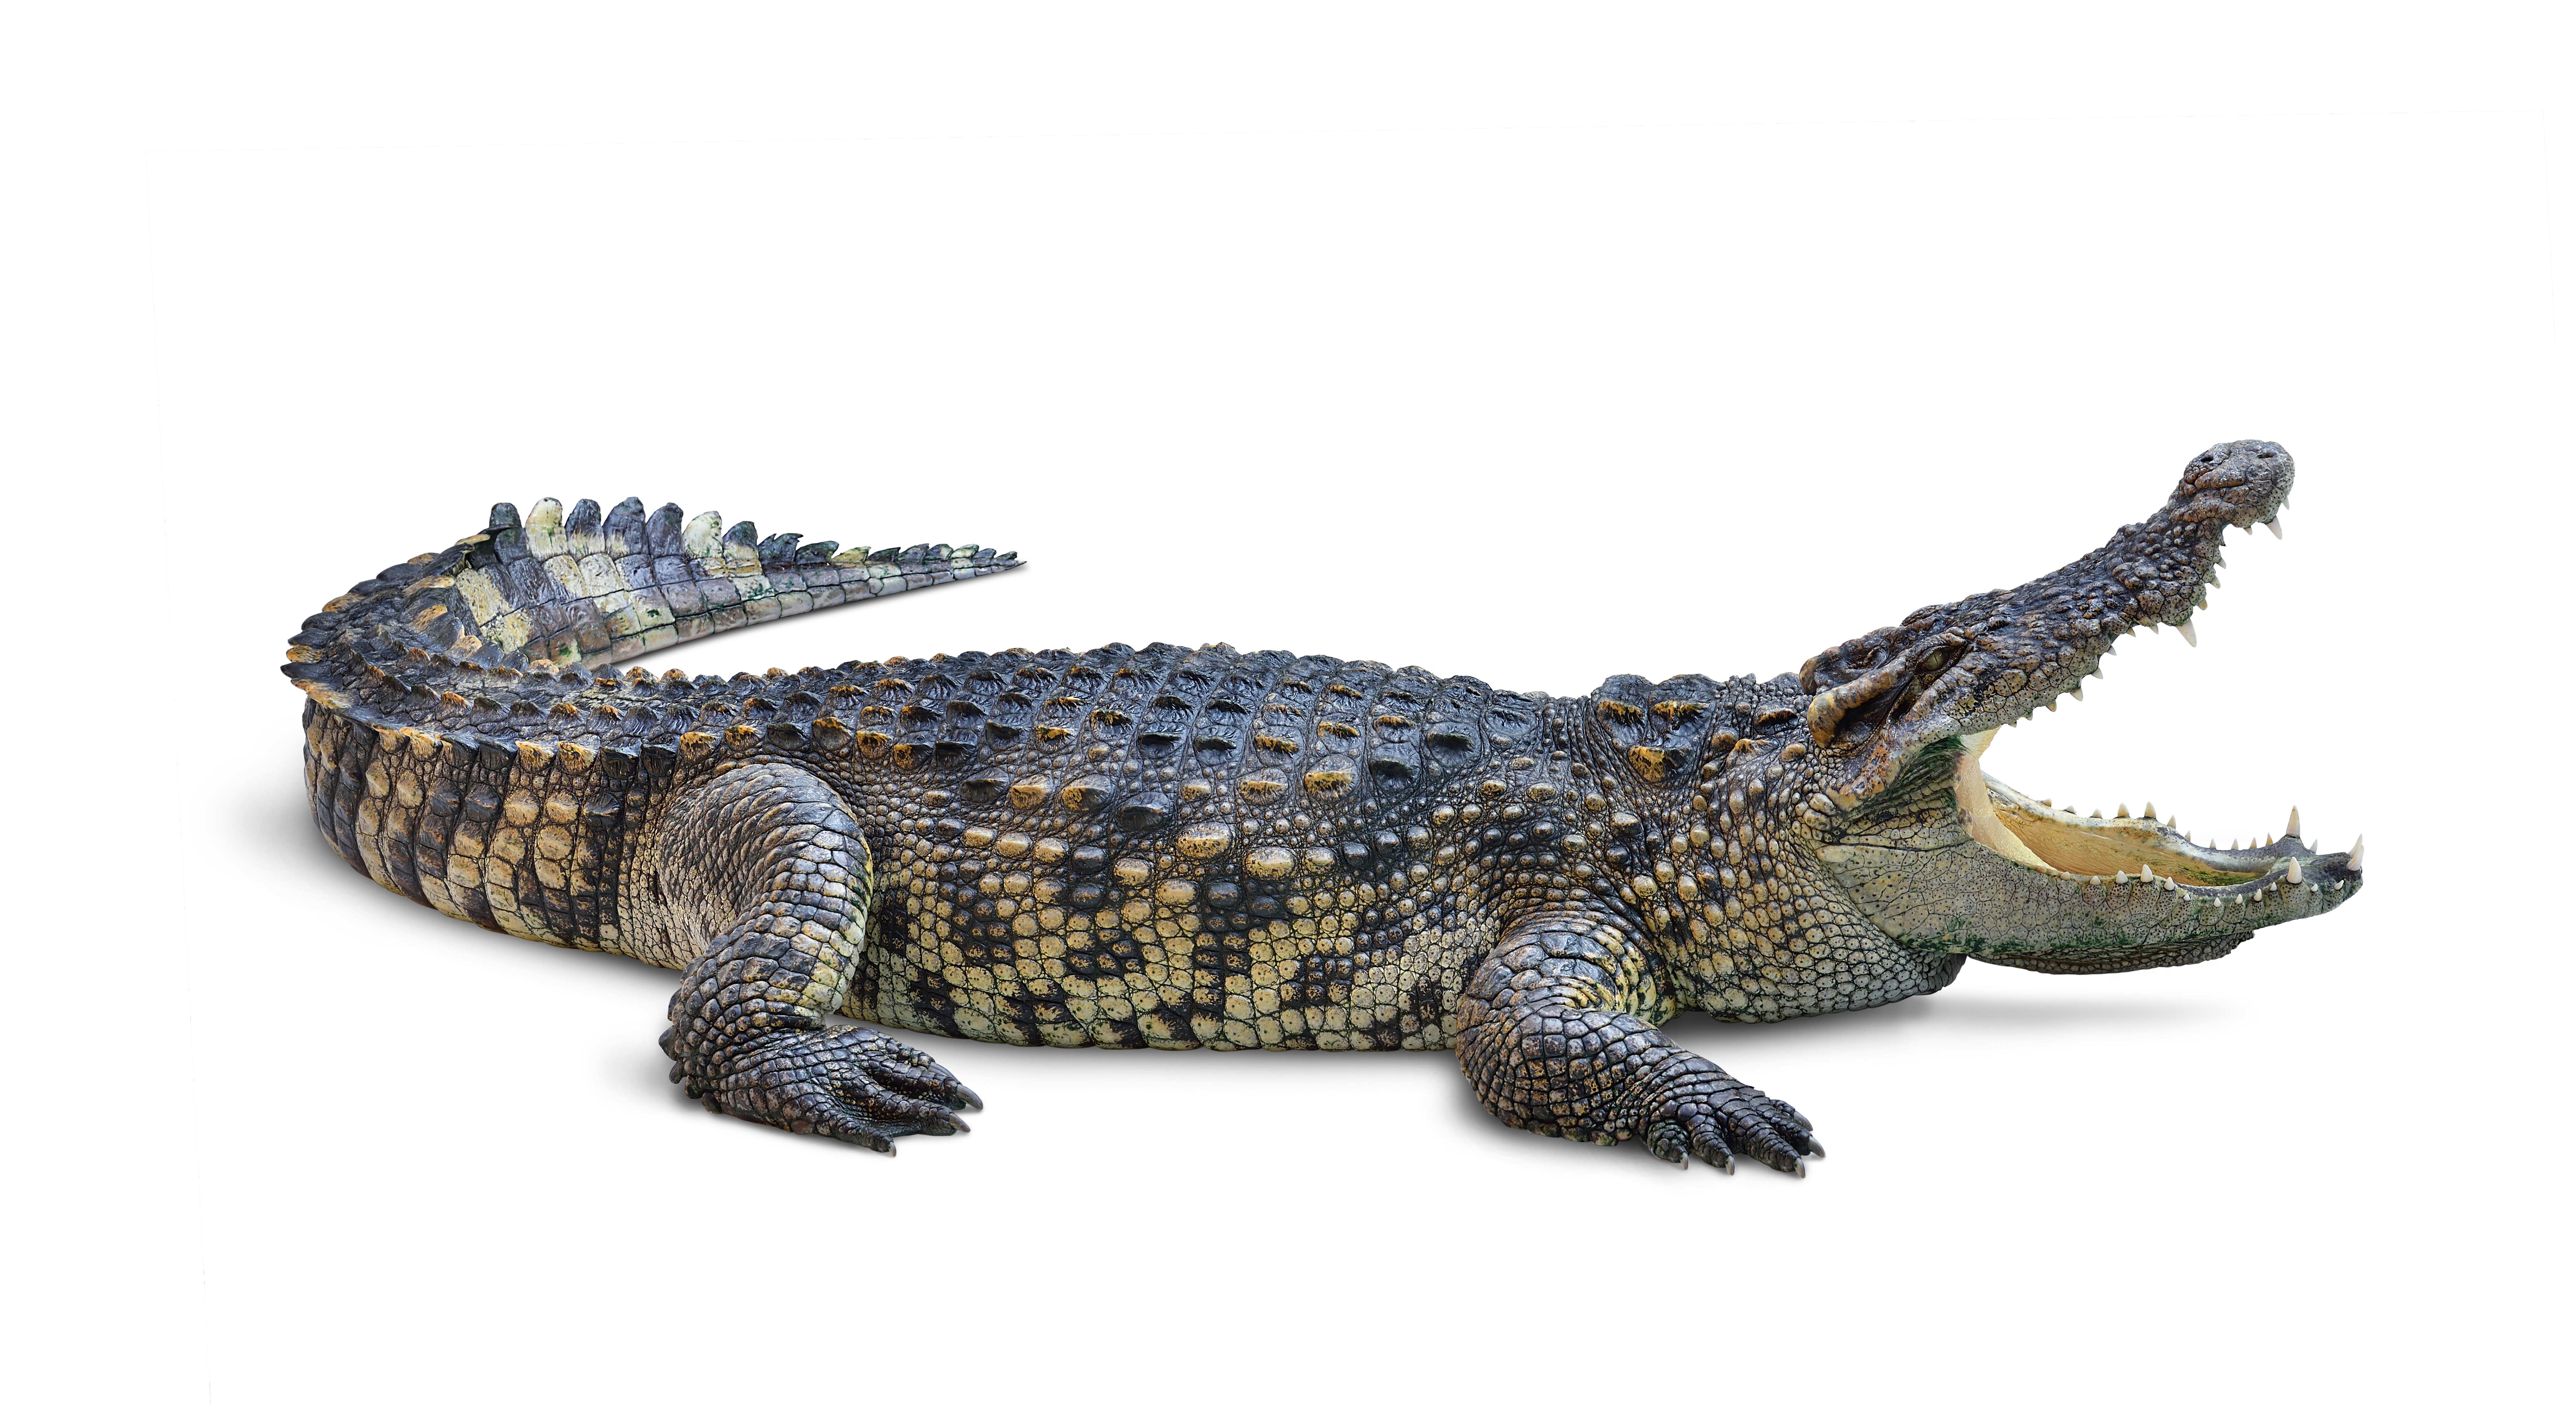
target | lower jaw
x=2119, y=851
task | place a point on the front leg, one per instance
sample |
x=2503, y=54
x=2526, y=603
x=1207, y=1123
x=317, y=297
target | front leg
x=1550, y=1034
x=765, y=867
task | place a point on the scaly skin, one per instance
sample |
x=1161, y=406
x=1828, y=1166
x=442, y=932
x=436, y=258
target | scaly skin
x=1185, y=848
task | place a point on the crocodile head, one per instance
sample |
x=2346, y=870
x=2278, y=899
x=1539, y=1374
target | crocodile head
x=1941, y=856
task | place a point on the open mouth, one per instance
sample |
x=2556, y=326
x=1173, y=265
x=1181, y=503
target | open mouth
x=1950, y=675
x=2124, y=849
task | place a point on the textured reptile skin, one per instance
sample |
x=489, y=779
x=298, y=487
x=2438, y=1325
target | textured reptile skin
x=1202, y=847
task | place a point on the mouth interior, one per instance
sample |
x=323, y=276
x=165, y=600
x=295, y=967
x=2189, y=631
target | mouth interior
x=2056, y=841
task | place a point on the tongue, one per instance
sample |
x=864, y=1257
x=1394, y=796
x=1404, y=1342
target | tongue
x=1978, y=808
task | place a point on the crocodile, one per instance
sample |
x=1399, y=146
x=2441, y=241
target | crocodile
x=1209, y=848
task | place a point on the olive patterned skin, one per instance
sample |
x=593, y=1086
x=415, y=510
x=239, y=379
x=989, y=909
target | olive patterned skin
x=1180, y=848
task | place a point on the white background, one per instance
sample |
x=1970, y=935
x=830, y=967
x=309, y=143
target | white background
x=1534, y=344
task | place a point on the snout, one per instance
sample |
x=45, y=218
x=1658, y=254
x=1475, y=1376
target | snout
x=2241, y=483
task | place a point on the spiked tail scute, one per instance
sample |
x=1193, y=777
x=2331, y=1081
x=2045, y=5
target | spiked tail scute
x=581, y=588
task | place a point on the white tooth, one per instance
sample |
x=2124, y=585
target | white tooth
x=2353, y=859
x=2121, y=877
x=2146, y=870
x=2292, y=832
x=2189, y=635
x=2078, y=694
x=2294, y=875
x=2275, y=525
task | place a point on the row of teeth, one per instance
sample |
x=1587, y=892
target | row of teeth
x=2189, y=635
x=2289, y=831
x=2289, y=879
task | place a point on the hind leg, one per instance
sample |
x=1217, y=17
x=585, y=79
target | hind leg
x=767, y=863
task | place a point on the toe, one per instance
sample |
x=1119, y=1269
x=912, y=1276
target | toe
x=1766, y=1146
x=1709, y=1144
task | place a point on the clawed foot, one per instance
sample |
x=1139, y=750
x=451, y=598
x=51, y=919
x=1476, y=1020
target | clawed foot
x=853, y=1084
x=1706, y=1114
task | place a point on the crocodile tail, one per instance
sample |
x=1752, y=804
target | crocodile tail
x=505, y=644
x=565, y=589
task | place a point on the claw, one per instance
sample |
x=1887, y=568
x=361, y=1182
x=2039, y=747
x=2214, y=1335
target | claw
x=1815, y=1148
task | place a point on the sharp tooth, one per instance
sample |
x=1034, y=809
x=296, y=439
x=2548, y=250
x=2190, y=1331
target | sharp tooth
x=2294, y=875
x=2078, y=694
x=2154, y=628
x=2267, y=841
x=2353, y=859
x=2189, y=635
x=2150, y=810
x=2052, y=704
x=2124, y=811
x=2121, y=877
x=2275, y=525
x=2048, y=804
x=2292, y=830
x=2098, y=814
x=2146, y=870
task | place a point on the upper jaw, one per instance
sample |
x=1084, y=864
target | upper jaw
x=1994, y=658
